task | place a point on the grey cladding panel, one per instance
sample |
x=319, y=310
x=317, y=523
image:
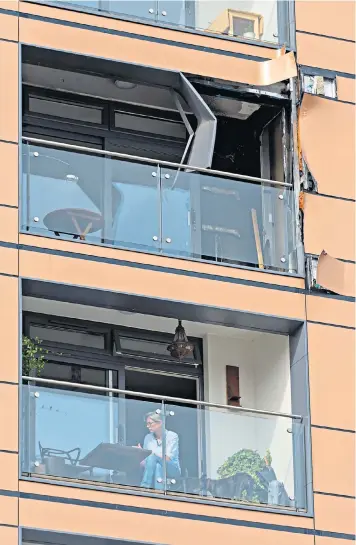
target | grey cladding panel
x=202, y=149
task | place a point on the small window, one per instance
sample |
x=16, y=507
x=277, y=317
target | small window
x=57, y=371
x=62, y=335
x=142, y=345
x=233, y=386
x=238, y=23
x=319, y=85
x=150, y=125
x=65, y=110
x=135, y=346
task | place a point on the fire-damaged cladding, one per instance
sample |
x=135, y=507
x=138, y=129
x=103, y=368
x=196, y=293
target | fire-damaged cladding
x=170, y=117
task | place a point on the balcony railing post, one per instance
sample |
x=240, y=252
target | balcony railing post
x=164, y=446
x=299, y=465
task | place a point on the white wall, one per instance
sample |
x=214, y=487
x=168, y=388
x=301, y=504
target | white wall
x=264, y=372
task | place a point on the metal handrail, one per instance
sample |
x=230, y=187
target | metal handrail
x=242, y=177
x=160, y=398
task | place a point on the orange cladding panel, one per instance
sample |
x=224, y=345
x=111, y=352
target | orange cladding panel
x=8, y=535
x=10, y=178
x=9, y=93
x=326, y=53
x=332, y=376
x=162, y=504
x=146, y=527
x=9, y=322
x=327, y=136
x=164, y=285
x=9, y=26
x=334, y=514
x=329, y=224
x=331, y=18
x=333, y=461
x=345, y=89
x=171, y=57
x=8, y=513
x=9, y=471
x=9, y=417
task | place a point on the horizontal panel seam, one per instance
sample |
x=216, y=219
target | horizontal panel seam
x=337, y=197
x=336, y=535
x=142, y=37
x=157, y=268
x=9, y=275
x=9, y=142
x=180, y=272
x=335, y=495
x=325, y=36
x=325, y=71
x=9, y=41
x=3, y=525
x=339, y=259
x=6, y=451
x=353, y=328
x=8, y=206
x=180, y=515
x=346, y=298
x=160, y=512
x=334, y=99
x=332, y=428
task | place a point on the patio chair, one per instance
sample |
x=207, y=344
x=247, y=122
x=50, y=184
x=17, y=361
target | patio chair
x=55, y=460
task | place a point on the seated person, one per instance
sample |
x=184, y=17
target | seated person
x=153, y=470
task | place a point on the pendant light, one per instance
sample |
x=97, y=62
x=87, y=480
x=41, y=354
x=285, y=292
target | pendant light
x=180, y=346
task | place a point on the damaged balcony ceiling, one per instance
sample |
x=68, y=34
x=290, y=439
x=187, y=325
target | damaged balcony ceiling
x=89, y=76
x=136, y=94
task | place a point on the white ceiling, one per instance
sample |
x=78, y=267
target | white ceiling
x=129, y=319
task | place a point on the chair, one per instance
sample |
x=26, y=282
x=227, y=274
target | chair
x=66, y=454
x=54, y=461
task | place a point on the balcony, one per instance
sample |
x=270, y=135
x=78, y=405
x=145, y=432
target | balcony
x=168, y=446
x=106, y=198
x=264, y=21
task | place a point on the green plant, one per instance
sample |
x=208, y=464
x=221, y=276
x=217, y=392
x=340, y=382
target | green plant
x=268, y=457
x=33, y=356
x=247, y=461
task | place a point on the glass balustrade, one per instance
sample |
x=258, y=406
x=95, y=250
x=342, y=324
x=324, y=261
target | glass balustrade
x=101, y=199
x=251, y=19
x=171, y=448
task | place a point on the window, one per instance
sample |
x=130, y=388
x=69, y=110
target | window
x=65, y=110
x=62, y=334
x=144, y=345
x=319, y=85
x=239, y=23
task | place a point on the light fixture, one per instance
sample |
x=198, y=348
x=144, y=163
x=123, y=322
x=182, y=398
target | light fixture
x=72, y=178
x=180, y=346
x=126, y=85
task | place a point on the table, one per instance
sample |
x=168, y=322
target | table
x=115, y=457
x=73, y=221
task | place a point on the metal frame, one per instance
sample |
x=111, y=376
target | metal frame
x=241, y=177
x=107, y=358
x=62, y=126
x=161, y=398
x=133, y=333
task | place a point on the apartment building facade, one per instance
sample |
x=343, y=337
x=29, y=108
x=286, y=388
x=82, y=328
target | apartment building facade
x=177, y=259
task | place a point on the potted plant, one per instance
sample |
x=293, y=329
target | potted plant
x=246, y=461
x=33, y=356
